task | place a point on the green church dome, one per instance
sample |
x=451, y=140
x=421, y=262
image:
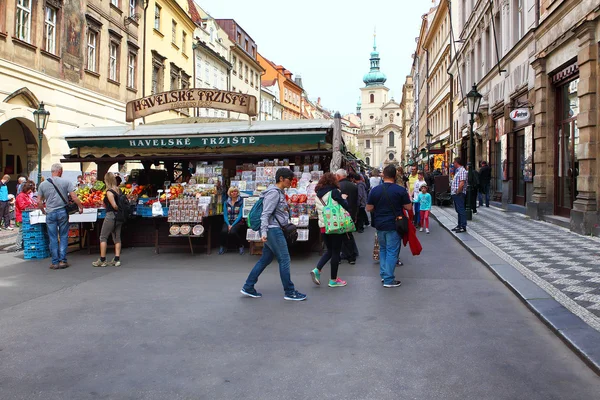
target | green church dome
x=374, y=77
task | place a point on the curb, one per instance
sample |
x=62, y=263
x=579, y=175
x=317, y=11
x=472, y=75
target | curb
x=581, y=338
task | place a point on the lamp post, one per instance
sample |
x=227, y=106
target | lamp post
x=40, y=116
x=473, y=102
x=428, y=137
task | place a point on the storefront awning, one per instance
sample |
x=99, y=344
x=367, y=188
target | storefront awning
x=228, y=137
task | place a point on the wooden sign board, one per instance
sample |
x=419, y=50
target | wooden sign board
x=191, y=98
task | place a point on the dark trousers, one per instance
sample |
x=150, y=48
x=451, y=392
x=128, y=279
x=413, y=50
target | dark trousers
x=484, y=192
x=334, y=248
x=237, y=234
x=5, y=213
x=349, y=248
x=459, y=206
x=362, y=220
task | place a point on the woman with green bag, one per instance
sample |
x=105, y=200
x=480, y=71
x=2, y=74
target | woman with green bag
x=334, y=221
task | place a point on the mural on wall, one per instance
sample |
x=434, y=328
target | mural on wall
x=72, y=46
x=528, y=156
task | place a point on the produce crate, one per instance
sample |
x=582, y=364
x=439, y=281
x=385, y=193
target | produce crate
x=36, y=254
x=26, y=228
x=143, y=211
x=35, y=235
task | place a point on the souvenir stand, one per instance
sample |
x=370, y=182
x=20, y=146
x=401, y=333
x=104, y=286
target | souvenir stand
x=188, y=166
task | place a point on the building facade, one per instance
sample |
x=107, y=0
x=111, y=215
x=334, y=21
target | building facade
x=246, y=71
x=379, y=139
x=81, y=58
x=290, y=91
x=270, y=106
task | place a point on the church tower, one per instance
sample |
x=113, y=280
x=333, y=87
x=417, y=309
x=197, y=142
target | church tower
x=375, y=94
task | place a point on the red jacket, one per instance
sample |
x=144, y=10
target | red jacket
x=411, y=236
x=22, y=203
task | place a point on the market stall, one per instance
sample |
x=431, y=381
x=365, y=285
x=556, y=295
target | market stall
x=187, y=168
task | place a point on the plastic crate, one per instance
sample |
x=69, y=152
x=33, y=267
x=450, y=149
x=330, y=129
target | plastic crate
x=36, y=254
x=25, y=227
x=101, y=213
x=35, y=235
x=143, y=211
x=165, y=211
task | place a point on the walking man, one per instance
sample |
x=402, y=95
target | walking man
x=388, y=201
x=275, y=215
x=458, y=191
x=53, y=193
x=485, y=177
x=361, y=220
x=20, y=183
x=5, y=203
x=350, y=190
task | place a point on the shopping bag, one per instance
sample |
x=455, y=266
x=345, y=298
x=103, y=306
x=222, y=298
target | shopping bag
x=336, y=219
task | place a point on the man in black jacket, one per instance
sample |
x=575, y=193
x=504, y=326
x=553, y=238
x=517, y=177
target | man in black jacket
x=485, y=177
x=350, y=193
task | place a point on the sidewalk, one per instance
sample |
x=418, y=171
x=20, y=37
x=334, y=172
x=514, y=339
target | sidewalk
x=559, y=270
x=8, y=240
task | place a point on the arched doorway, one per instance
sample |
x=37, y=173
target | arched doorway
x=18, y=149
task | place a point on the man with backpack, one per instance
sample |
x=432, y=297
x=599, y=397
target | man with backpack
x=274, y=217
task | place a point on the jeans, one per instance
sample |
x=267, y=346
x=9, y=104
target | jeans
x=389, y=250
x=334, y=248
x=275, y=247
x=459, y=206
x=417, y=208
x=57, y=223
x=485, y=190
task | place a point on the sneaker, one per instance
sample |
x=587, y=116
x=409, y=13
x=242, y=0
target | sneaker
x=221, y=250
x=295, y=296
x=115, y=263
x=352, y=262
x=421, y=229
x=10, y=228
x=400, y=263
x=54, y=266
x=251, y=293
x=455, y=229
x=100, y=263
x=63, y=265
x=461, y=230
x=427, y=230
x=337, y=283
x=393, y=284
x=316, y=276
x=242, y=251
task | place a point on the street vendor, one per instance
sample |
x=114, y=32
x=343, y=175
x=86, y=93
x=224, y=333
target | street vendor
x=233, y=226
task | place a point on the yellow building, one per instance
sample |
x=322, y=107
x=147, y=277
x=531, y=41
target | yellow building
x=168, y=54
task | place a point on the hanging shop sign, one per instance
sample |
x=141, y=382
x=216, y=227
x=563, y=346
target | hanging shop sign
x=191, y=98
x=520, y=114
x=199, y=141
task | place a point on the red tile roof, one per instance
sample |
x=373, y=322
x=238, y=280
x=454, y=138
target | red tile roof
x=194, y=12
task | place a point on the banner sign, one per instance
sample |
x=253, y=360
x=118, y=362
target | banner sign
x=191, y=98
x=200, y=141
x=520, y=114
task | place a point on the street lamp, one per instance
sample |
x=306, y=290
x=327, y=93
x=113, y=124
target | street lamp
x=428, y=137
x=473, y=102
x=40, y=116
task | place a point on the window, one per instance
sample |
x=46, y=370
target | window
x=183, y=41
x=239, y=38
x=391, y=140
x=185, y=80
x=115, y=3
x=234, y=65
x=173, y=32
x=368, y=144
x=113, y=63
x=157, y=10
x=132, y=6
x=246, y=73
x=372, y=98
x=92, y=42
x=367, y=160
x=520, y=23
x=252, y=78
x=246, y=45
x=155, y=74
x=391, y=156
x=158, y=72
x=174, y=79
x=24, y=20
x=50, y=30
x=254, y=51
x=212, y=35
x=131, y=64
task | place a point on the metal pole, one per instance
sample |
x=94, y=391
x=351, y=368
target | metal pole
x=470, y=185
x=40, y=138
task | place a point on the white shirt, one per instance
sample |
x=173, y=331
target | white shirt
x=374, y=181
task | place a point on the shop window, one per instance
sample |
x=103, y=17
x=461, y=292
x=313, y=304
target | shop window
x=23, y=25
x=50, y=14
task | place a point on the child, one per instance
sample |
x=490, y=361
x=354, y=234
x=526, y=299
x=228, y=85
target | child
x=416, y=193
x=425, y=207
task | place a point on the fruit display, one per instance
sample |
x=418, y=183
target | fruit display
x=92, y=197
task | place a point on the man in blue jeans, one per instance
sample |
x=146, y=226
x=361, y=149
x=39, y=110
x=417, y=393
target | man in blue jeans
x=274, y=216
x=387, y=202
x=51, y=200
x=458, y=190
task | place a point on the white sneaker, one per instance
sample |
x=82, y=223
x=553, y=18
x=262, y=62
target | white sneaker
x=421, y=229
x=427, y=230
x=10, y=228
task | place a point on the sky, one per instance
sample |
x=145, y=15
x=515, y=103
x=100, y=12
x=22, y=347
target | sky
x=328, y=42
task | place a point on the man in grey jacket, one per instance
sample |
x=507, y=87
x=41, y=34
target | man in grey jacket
x=275, y=215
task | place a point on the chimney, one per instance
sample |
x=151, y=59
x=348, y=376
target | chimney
x=318, y=101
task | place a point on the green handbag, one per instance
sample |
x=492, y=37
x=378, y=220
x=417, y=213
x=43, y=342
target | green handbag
x=335, y=218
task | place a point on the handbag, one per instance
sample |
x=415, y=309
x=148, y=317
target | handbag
x=70, y=205
x=401, y=220
x=290, y=231
x=335, y=218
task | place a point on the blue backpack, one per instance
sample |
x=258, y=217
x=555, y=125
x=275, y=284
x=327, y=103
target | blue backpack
x=255, y=215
